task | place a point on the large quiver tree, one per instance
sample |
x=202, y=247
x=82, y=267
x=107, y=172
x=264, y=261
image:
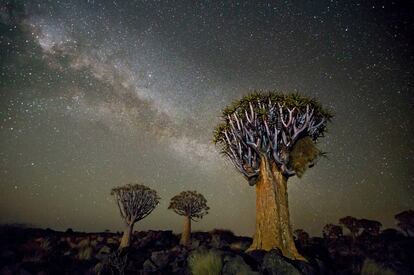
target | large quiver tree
x=191, y=205
x=135, y=202
x=269, y=138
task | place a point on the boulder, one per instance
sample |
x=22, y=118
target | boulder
x=242, y=244
x=305, y=268
x=8, y=256
x=149, y=266
x=235, y=265
x=195, y=244
x=160, y=258
x=218, y=242
x=111, y=241
x=275, y=264
x=103, y=253
x=256, y=256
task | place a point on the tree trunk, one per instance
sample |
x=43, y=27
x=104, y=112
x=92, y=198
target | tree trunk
x=126, y=237
x=273, y=229
x=186, y=235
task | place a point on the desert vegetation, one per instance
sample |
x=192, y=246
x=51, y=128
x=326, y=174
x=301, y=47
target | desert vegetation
x=270, y=137
x=191, y=205
x=135, y=202
x=338, y=251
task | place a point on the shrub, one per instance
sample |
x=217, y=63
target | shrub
x=372, y=268
x=205, y=263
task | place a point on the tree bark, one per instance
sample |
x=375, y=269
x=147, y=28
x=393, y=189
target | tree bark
x=186, y=235
x=273, y=229
x=126, y=237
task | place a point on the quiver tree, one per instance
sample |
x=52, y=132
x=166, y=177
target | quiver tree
x=269, y=138
x=135, y=202
x=406, y=221
x=370, y=227
x=191, y=205
x=352, y=224
x=332, y=231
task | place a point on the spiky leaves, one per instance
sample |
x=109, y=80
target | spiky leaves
x=135, y=201
x=271, y=125
x=190, y=204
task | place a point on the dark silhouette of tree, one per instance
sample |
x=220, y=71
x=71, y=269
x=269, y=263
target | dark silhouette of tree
x=191, y=205
x=332, y=231
x=269, y=138
x=370, y=227
x=351, y=224
x=135, y=202
x=406, y=221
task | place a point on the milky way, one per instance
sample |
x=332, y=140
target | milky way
x=96, y=94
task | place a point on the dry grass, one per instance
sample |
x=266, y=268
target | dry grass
x=372, y=268
x=205, y=263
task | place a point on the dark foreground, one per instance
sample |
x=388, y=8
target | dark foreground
x=38, y=251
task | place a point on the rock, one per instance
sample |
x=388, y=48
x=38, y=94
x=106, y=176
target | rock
x=257, y=256
x=235, y=265
x=6, y=270
x=85, y=253
x=137, y=258
x=323, y=268
x=305, y=268
x=160, y=258
x=111, y=241
x=103, y=253
x=241, y=245
x=149, y=266
x=104, y=250
x=24, y=272
x=84, y=243
x=276, y=264
x=218, y=242
x=195, y=244
x=8, y=256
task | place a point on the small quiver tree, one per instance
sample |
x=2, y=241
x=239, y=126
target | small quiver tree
x=332, y=232
x=269, y=138
x=352, y=224
x=135, y=202
x=369, y=227
x=406, y=221
x=191, y=205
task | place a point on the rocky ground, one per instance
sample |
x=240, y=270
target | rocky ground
x=37, y=251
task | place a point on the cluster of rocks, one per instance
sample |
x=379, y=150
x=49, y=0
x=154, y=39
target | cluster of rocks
x=144, y=257
x=35, y=251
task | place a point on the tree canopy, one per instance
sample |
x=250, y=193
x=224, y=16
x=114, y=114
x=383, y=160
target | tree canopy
x=135, y=201
x=190, y=204
x=271, y=125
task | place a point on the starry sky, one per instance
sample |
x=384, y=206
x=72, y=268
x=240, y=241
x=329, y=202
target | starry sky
x=96, y=94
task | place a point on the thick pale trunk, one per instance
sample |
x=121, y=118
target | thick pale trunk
x=273, y=229
x=186, y=235
x=126, y=237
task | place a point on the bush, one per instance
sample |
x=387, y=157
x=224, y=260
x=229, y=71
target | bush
x=205, y=263
x=372, y=268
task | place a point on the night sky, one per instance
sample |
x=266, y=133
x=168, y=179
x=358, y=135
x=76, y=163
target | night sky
x=96, y=94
